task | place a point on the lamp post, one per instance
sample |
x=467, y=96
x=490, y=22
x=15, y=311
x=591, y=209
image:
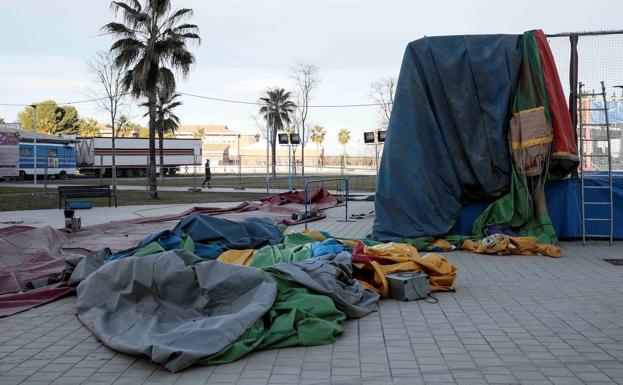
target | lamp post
x=34, y=150
x=239, y=167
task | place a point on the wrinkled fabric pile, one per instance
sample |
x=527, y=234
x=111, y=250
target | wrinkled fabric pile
x=252, y=288
x=34, y=258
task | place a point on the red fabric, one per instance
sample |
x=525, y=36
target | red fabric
x=319, y=196
x=564, y=139
x=14, y=230
x=30, y=253
x=360, y=257
x=15, y=303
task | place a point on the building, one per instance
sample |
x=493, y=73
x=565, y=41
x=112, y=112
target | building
x=220, y=144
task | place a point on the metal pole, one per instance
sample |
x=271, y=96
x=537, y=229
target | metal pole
x=34, y=130
x=603, y=93
x=376, y=157
x=101, y=169
x=114, y=162
x=195, y=172
x=239, y=167
x=45, y=174
x=289, y=167
x=267, y=138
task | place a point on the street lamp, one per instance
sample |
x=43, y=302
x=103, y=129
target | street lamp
x=34, y=130
x=371, y=138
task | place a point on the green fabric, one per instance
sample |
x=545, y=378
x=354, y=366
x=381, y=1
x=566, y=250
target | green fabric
x=422, y=243
x=152, y=248
x=270, y=255
x=149, y=249
x=419, y=243
x=515, y=208
x=297, y=317
x=297, y=239
x=366, y=241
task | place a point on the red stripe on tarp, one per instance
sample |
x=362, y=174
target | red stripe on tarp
x=15, y=303
x=564, y=140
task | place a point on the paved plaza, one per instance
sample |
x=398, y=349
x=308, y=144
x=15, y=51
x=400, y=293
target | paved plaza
x=512, y=320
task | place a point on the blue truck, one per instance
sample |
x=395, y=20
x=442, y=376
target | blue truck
x=56, y=156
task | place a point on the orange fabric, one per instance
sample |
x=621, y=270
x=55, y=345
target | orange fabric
x=237, y=257
x=514, y=245
x=388, y=258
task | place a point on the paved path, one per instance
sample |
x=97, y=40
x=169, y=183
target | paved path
x=513, y=320
x=96, y=215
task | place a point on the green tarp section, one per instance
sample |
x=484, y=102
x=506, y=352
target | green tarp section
x=297, y=317
x=515, y=209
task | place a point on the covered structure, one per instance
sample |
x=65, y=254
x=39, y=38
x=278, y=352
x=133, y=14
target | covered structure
x=476, y=119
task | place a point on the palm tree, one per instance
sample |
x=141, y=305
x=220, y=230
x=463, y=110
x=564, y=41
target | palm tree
x=199, y=133
x=277, y=110
x=166, y=120
x=122, y=126
x=151, y=43
x=343, y=137
x=318, y=134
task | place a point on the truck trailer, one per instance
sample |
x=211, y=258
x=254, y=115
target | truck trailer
x=94, y=155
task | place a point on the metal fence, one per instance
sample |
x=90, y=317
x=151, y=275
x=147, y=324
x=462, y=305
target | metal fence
x=590, y=58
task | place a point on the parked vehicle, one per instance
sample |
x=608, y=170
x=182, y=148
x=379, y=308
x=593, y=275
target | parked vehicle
x=94, y=155
x=55, y=155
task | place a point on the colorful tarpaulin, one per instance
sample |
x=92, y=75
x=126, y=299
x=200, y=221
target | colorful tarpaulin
x=448, y=140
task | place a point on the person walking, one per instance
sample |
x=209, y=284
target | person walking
x=208, y=174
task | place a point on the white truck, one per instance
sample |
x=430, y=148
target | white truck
x=94, y=155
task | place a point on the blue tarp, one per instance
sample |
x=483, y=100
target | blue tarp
x=447, y=141
x=213, y=236
x=564, y=207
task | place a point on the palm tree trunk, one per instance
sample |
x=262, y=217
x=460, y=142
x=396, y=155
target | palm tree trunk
x=153, y=187
x=161, y=145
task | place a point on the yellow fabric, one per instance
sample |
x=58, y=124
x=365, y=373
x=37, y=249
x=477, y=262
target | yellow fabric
x=314, y=234
x=514, y=245
x=319, y=237
x=441, y=272
x=528, y=111
x=237, y=257
x=532, y=142
x=441, y=244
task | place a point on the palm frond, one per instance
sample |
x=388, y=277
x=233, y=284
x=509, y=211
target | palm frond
x=178, y=15
x=119, y=29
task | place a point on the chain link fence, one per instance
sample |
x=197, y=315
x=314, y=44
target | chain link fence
x=590, y=58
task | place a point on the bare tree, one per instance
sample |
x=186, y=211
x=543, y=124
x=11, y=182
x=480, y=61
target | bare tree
x=109, y=94
x=382, y=92
x=305, y=75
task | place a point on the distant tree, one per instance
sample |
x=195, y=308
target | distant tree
x=143, y=132
x=166, y=121
x=88, y=127
x=277, y=110
x=318, y=135
x=51, y=118
x=343, y=137
x=122, y=127
x=199, y=133
x=109, y=92
x=305, y=76
x=150, y=38
x=1, y=120
x=382, y=92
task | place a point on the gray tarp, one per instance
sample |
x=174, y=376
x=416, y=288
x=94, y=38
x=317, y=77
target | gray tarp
x=331, y=275
x=172, y=306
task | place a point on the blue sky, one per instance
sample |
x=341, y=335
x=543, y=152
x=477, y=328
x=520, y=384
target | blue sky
x=251, y=45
